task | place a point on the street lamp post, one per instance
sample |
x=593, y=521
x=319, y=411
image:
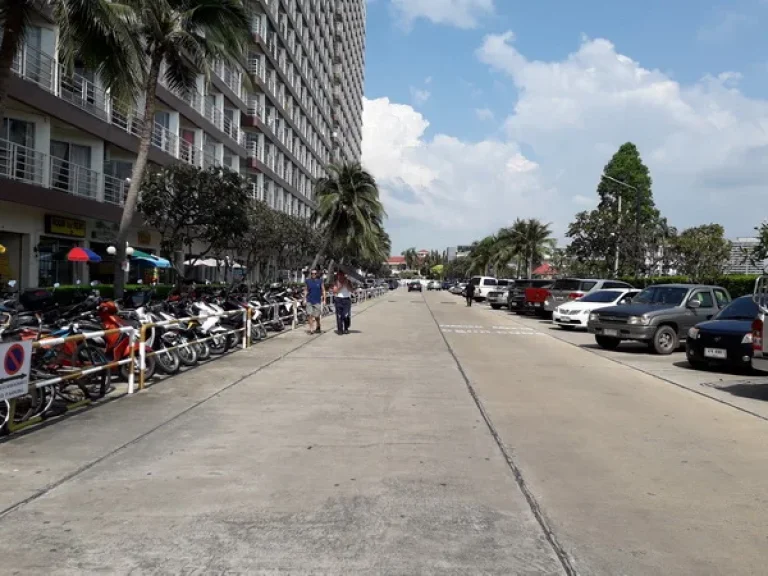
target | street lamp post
x=126, y=266
x=637, y=225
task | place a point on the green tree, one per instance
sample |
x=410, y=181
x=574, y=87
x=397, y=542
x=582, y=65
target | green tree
x=702, y=252
x=457, y=269
x=185, y=37
x=190, y=206
x=625, y=210
x=411, y=258
x=350, y=214
x=481, y=255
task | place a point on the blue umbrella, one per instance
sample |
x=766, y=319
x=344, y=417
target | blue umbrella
x=156, y=261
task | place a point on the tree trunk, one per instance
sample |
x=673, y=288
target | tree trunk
x=13, y=35
x=139, y=168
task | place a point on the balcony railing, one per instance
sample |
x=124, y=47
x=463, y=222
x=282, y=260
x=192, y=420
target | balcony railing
x=74, y=179
x=22, y=163
x=32, y=167
x=115, y=190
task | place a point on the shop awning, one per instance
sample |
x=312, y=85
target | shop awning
x=78, y=254
x=151, y=258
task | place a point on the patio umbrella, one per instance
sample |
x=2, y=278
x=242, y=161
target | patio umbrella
x=151, y=258
x=79, y=254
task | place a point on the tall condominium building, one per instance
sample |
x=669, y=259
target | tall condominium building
x=740, y=261
x=67, y=150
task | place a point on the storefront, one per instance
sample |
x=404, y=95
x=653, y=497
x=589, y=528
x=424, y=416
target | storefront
x=11, y=258
x=61, y=235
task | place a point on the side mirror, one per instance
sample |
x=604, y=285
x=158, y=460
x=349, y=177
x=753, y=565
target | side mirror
x=693, y=304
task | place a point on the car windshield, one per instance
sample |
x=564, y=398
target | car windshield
x=670, y=295
x=601, y=296
x=740, y=309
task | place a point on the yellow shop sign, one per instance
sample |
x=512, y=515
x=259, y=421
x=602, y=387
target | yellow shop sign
x=65, y=226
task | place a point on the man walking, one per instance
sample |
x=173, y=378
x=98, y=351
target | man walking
x=314, y=296
x=470, y=293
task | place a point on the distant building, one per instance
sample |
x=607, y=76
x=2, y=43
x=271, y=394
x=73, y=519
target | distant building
x=739, y=261
x=396, y=264
x=450, y=253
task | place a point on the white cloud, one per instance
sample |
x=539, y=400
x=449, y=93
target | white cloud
x=705, y=143
x=442, y=189
x=484, y=113
x=419, y=95
x=458, y=13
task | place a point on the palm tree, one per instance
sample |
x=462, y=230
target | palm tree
x=89, y=33
x=350, y=214
x=481, y=255
x=186, y=37
x=536, y=241
x=411, y=258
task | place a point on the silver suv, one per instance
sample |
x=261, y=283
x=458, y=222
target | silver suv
x=566, y=289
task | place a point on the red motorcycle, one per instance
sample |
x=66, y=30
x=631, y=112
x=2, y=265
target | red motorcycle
x=118, y=345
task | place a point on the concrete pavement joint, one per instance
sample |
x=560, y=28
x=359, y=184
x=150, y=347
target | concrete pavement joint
x=42, y=492
x=549, y=533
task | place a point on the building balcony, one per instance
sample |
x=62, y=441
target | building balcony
x=33, y=167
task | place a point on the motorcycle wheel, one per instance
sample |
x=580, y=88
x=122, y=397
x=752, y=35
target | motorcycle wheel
x=94, y=385
x=203, y=351
x=188, y=354
x=219, y=344
x=167, y=361
x=257, y=332
x=149, y=368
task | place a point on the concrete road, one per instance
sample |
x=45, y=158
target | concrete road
x=435, y=439
x=358, y=454
x=634, y=475
x=746, y=391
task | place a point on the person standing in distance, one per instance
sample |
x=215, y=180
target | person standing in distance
x=314, y=296
x=342, y=291
x=470, y=293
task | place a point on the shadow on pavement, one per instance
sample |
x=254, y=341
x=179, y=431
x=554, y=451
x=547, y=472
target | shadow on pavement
x=745, y=390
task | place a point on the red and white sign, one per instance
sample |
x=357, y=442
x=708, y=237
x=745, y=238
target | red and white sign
x=15, y=362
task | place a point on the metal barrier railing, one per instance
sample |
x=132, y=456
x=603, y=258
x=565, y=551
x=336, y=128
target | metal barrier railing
x=291, y=318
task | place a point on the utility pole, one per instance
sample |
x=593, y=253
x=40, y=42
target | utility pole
x=637, y=225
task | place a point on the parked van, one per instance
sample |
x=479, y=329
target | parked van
x=483, y=285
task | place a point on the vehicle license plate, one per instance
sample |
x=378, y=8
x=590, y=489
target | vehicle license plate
x=715, y=353
x=609, y=332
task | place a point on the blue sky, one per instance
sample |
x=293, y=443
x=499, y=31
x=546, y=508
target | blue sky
x=480, y=111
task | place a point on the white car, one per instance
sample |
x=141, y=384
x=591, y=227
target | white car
x=575, y=314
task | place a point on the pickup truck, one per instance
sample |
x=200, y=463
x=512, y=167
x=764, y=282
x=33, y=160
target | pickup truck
x=659, y=316
x=535, y=299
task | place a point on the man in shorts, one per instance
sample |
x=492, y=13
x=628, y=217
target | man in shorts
x=314, y=296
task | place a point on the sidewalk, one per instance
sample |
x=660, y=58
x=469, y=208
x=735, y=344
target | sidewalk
x=358, y=454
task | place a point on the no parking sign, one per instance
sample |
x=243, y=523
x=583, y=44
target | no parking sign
x=14, y=369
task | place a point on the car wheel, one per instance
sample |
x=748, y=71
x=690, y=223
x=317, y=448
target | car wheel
x=496, y=306
x=665, y=340
x=607, y=343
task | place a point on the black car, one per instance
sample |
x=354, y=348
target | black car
x=726, y=340
x=414, y=286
